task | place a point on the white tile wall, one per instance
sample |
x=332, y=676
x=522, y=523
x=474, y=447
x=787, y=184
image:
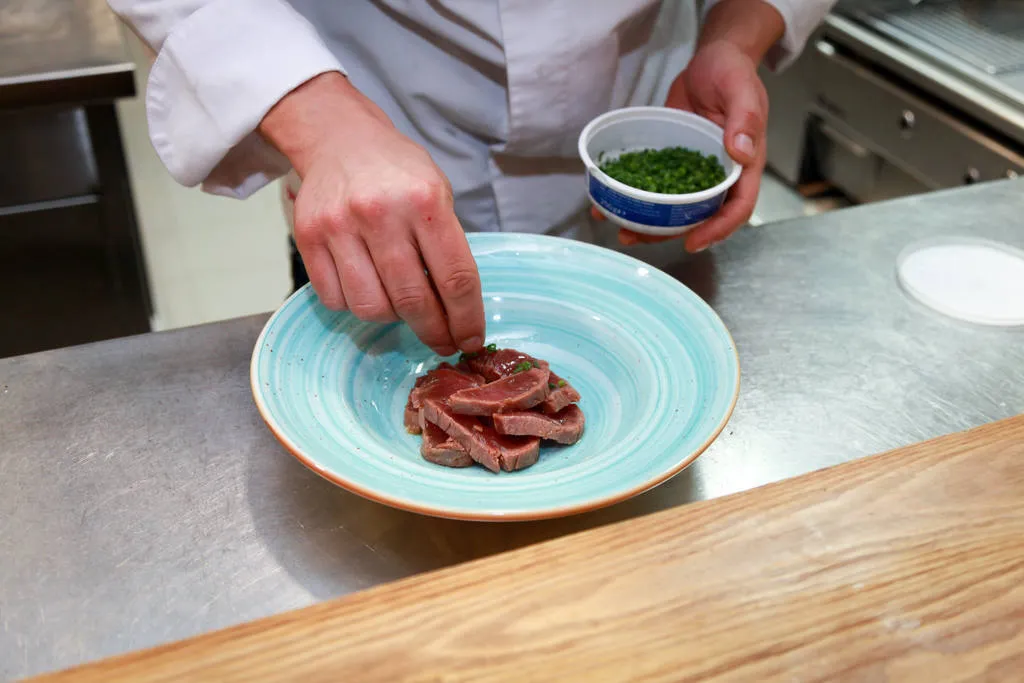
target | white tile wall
x=209, y=258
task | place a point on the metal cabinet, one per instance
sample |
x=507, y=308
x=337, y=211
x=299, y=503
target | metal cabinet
x=874, y=127
x=71, y=267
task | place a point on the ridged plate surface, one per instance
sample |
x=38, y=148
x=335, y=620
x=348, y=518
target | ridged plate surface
x=656, y=368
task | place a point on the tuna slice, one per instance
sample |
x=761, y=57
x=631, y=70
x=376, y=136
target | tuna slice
x=412, y=419
x=412, y=414
x=565, y=427
x=521, y=391
x=562, y=395
x=442, y=383
x=440, y=449
x=495, y=365
x=485, y=446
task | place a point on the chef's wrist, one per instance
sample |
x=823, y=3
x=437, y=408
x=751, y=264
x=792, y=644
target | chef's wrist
x=308, y=120
x=753, y=26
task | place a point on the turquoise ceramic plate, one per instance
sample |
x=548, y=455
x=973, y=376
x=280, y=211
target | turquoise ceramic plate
x=655, y=366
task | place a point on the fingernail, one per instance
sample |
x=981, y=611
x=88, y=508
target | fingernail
x=472, y=345
x=744, y=144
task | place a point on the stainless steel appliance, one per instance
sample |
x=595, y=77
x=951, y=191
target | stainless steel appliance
x=898, y=98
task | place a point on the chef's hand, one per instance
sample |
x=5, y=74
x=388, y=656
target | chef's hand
x=721, y=84
x=374, y=219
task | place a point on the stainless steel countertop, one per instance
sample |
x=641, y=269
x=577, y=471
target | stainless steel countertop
x=143, y=500
x=61, y=51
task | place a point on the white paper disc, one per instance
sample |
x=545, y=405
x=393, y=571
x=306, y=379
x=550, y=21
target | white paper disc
x=970, y=279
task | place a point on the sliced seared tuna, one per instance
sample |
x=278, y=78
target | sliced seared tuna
x=500, y=363
x=442, y=383
x=565, y=427
x=485, y=446
x=492, y=408
x=412, y=414
x=562, y=395
x=521, y=391
x=412, y=419
x=439, y=448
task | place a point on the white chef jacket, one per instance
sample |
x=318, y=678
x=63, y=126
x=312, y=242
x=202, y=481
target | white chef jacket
x=497, y=91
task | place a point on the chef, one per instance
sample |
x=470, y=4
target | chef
x=400, y=124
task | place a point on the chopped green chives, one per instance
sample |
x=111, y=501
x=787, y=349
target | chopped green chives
x=673, y=170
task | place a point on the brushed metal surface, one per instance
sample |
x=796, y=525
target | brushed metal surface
x=143, y=500
x=60, y=51
x=988, y=35
x=996, y=101
x=926, y=142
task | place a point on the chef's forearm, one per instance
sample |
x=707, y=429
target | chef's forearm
x=753, y=25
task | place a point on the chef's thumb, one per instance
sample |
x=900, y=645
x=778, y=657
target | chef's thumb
x=744, y=123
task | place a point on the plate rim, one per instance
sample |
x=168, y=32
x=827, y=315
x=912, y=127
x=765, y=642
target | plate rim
x=523, y=516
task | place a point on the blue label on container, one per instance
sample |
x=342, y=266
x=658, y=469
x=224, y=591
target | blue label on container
x=649, y=213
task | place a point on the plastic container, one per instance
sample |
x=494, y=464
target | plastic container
x=637, y=128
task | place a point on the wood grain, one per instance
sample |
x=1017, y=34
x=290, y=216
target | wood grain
x=908, y=566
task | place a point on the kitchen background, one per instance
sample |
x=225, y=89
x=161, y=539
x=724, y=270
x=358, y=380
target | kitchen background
x=96, y=240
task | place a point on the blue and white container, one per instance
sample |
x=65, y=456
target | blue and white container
x=637, y=128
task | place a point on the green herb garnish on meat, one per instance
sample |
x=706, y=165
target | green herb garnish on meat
x=673, y=170
x=523, y=367
x=561, y=383
x=491, y=348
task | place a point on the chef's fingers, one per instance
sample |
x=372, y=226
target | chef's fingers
x=412, y=298
x=735, y=212
x=453, y=270
x=363, y=290
x=322, y=271
x=745, y=116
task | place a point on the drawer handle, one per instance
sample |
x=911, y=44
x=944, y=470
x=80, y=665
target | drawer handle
x=972, y=176
x=843, y=141
x=907, y=120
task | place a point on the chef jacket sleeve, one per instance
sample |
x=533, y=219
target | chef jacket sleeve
x=801, y=17
x=220, y=66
